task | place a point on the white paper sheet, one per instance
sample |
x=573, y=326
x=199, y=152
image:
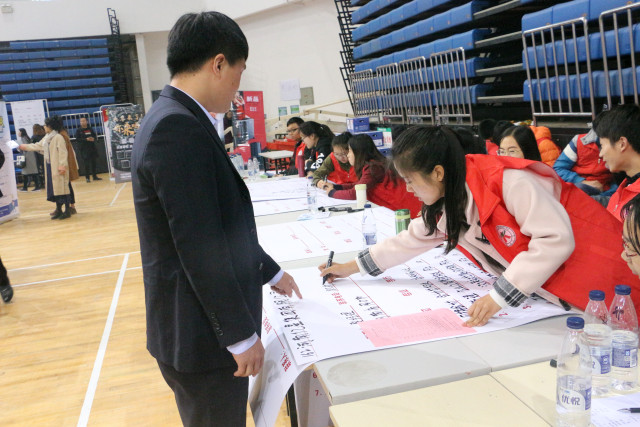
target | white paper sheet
x=271, y=207
x=313, y=238
x=604, y=411
x=278, y=189
x=325, y=322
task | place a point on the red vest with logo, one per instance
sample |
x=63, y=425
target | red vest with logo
x=589, y=165
x=392, y=193
x=622, y=196
x=594, y=264
x=339, y=175
x=491, y=147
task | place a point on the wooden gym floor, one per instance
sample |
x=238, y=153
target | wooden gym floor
x=72, y=342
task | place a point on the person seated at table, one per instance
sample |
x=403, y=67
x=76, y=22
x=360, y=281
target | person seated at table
x=514, y=218
x=384, y=186
x=619, y=133
x=293, y=134
x=520, y=142
x=338, y=170
x=317, y=139
x=580, y=164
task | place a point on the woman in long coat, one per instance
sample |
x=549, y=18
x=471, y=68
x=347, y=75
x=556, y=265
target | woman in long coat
x=54, y=148
x=30, y=171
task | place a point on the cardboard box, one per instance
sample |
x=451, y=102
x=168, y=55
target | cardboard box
x=358, y=124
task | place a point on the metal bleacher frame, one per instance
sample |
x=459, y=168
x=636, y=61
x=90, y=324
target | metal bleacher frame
x=558, y=71
x=614, y=14
x=451, y=86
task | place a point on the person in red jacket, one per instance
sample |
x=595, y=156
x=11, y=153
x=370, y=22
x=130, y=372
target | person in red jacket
x=619, y=133
x=515, y=218
x=337, y=169
x=384, y=187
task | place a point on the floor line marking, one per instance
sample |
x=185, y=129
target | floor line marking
x=97, y=366
x=19, y=285
x=71, y=262
x=117, y=194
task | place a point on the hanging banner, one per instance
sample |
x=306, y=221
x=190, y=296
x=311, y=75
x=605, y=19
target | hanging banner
x=121, y=126
x=9, y=199
x=27, y=113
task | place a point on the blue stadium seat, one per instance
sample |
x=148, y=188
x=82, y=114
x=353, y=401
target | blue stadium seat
x=59, y=104
x=17, y=66
x=73, y=72
x=98, y=42
x=17, y=45
x=51, y=54
x=39, y=75
x=76, y=102
x=463, y=14
x=11, y=98
x=19, y=56
x=537, y=19
x=51, y=44
x=41, y=85
x=442, y=44
x=90, y=91
x=100, y=61
x=35, y=45
x=412, y=32
x=45, y=94
x=596, y=7
x=5, y=57
x=55, y=74
x=56, y=84
x=570, y=10
x=99, y=51
x=103, y=80
x=83, y=43
x=74, y=92
x=9, y=87
x=36, y=55
x=467, y=40
x=442, y=21
x=70, y=63
x=67, y=43
x=25, y=86
x=104, y=90
x=107, y=100
x=6, y=66
x=7, y=77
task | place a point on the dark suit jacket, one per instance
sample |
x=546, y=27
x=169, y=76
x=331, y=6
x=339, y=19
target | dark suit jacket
x=203, y=266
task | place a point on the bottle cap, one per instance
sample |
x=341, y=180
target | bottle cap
x=623, y=290
x=575, y=322
x=596, y=295
x=367, y=205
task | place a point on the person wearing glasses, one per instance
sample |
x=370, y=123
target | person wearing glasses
x=384, y=186
x=519, y=142
x=338, y=170
x=514, y=218
x=293, y=133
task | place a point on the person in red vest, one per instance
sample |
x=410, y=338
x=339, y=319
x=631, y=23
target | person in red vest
x=580, y=164
x=514, y=218
x=619, y=133
x=338, y=170
x=384, y=187
x=298, y=156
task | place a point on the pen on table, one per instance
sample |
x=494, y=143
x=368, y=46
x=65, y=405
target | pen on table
x=630, y=410
x=329, y=261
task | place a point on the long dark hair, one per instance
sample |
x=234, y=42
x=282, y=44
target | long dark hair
x=365, y=151
x=526, y=140
x=38, y=130
x=631, y=215
x=421, y=149
x=315, y=128
x=23, y=134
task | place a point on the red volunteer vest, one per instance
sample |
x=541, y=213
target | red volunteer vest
x=594, y=264
x=491, y=147
x=589, y=165
x=392, y=193
x=339, y=175
x=621, y=197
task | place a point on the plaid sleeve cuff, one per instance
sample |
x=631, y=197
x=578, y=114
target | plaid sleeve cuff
x=510, y=293
x=365, y=261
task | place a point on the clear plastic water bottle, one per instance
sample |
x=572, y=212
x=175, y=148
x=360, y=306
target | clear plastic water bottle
x=573, y=385
x=598, y=334
x=311, y=195
x=250, y=170
x=369, y=233
x=256, y=168
x=624, y=325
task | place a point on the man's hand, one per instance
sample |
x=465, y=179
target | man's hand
x=338, y=270
x=62, y=170
x=250, y=362
x=287, y=286
x=481, y=311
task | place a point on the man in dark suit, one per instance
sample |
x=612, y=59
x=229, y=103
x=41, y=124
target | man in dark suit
x=202, y=263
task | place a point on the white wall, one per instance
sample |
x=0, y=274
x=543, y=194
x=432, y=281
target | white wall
x=80, y=18
x=296, y=41
x=156, y=50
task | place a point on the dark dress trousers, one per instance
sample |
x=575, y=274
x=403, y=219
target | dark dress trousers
x=203, y=266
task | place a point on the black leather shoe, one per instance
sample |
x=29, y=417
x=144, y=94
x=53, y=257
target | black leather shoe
x=65, y=215
x=97, y=178
x=6, y=291
x=56, y=214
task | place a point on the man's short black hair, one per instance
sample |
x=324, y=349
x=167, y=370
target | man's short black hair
x=197, y=37
x=485, y=129
x=296, y=120
x=621, y=120
x=54, y=123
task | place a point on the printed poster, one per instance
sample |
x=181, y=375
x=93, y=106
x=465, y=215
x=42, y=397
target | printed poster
x=9, y=200
x=121, y=127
